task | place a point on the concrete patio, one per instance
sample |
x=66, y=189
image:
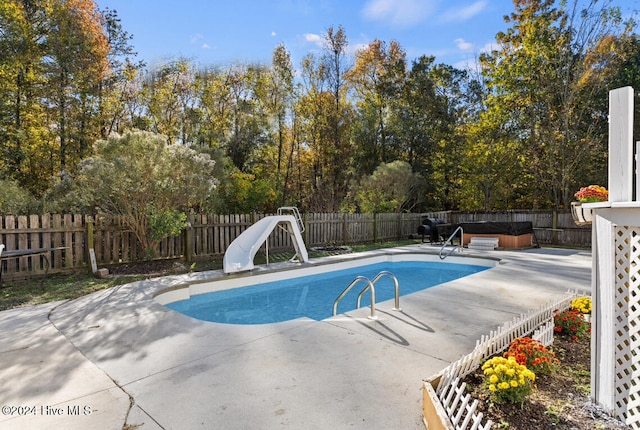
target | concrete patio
x=117, y=357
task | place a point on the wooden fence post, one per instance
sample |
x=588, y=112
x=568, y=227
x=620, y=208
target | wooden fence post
x=554, y=226
x=91, y=252
x=305, y=222
x=188, y=243
x=344, y=229
x=375, y=227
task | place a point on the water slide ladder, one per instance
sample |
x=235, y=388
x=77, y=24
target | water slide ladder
x=450, y=241
x=370, y=286
x=287, y=210
x=292, y=210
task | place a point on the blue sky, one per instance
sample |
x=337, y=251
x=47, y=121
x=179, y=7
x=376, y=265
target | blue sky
x=216, y=32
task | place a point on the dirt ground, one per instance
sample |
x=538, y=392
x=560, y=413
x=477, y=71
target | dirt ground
x=560, y=401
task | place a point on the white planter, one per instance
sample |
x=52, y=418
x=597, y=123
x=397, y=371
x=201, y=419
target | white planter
x=581, y=215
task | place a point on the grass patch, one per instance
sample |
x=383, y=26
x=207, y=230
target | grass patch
x=54, y=288
x=64, y=287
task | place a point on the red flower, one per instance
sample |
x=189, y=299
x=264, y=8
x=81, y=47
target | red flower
x=571, y=323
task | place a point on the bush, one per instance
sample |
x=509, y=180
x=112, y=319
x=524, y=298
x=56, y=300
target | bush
x=582, y=304
x=15, y=200
x=571, y=323
x=146, y=181
x=533, y=354
x=507, y=380
x=391, y=188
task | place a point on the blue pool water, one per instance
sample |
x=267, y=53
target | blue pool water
x=313, y=296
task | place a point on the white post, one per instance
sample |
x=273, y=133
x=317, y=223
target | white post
x=637, y=196
x=602, y=324
x=615, y=362
x=621, y=145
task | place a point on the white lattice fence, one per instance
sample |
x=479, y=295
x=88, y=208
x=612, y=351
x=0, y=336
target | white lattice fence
x=460, y=408
x=627, y=325
x=461, y=412
x=544, y=334
x=498, y=340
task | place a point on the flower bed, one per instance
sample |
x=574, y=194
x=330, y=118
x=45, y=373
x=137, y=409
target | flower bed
x=445, y=406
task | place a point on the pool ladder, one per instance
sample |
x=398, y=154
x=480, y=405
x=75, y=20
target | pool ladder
x=450, y=241
x=369, y=286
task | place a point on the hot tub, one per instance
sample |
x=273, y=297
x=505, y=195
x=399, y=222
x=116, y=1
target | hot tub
x=510, y=235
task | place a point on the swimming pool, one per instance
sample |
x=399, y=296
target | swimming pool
x=271, y=300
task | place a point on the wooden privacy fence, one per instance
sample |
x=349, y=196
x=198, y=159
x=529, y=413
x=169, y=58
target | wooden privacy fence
x=209, y=236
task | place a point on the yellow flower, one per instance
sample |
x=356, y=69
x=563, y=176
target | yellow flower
x=493, y=379
x=514, y=383
x=492, y=388
x=503, y=386
x=511, y=372
x=529, y=374
x=582, y=304
x=489, y=371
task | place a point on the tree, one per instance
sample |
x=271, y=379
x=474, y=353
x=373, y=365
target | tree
x=279, y=94
x=25, y=154
x=422, y=126
x=313, y=131
x=54, y=62
x=339, y=118
x=493, y=170
x=141, y=178
x=14, y=200
x=377, y=78
x=392, y=187
x=548, y=87
x=118, y=90
x=169, y=92
x=249, y=126
x=244, y=192
x=77, y=49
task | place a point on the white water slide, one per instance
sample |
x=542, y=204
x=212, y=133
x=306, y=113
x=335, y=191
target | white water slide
x=241, y=252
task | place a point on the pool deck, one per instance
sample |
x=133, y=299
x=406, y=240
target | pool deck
x=117, y=357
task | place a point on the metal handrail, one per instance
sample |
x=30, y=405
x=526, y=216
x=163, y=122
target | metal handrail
x=376, y=279
x=450, y=241
x=296, y=214
x=346, y=290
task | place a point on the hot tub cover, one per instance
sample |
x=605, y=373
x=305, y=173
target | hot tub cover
x=496, y=227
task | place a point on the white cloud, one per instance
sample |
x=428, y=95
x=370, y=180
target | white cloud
x=316, y=39
x=352, y=48
x=274, y=34
x=464, y=45
x=398, y=13
x=206, y=46
x=491, y=46
x=464, y=13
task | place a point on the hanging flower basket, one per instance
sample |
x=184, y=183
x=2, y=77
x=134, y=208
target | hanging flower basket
x=581, y=215
x=590, y=194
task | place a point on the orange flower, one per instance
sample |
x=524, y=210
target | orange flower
x=533, y=354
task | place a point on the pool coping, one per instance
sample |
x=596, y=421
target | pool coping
x=268, y=274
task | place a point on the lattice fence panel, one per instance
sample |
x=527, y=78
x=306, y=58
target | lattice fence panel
x=627, y=325
x=538, y=320
x=461, y=408
x=544, y=333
